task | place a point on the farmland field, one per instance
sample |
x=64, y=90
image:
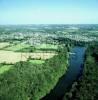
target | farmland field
x=3, y=44
x=16, y=47
x=37, y=61
x=13, y=57
x=47, y=46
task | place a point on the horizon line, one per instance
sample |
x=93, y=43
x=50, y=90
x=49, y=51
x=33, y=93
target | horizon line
x=55, y=24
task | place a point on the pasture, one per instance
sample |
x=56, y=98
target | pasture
x=16, y=47
x=37, y=61
x=13, y=57
x=47, y=46
x=4, y=44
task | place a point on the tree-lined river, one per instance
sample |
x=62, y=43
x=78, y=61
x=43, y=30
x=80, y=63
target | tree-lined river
x=76, y=61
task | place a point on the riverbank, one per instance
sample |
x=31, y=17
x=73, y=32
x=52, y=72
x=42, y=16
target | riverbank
x=86, y=87
x=75, y=61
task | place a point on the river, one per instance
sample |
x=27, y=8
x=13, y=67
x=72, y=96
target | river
x=76, y=61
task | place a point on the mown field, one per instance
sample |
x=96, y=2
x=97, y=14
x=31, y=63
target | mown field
x=4, y=44
x=12, y=53
x=13, y=57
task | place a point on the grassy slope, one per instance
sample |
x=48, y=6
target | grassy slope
x=4, y=68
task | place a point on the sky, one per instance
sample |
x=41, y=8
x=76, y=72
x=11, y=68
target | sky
x=48, y=12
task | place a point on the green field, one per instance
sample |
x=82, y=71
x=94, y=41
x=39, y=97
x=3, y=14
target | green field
x=28, y=48
x=47, y=46
x=16, y=47
x=37, y=61
x=4, y=68
x=12, y=53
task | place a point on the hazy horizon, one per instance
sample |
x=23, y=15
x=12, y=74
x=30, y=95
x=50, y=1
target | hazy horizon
x=22, y=12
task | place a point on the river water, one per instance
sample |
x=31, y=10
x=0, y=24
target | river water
x=76, y=61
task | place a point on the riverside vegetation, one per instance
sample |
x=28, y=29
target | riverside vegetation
x=86, y=87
